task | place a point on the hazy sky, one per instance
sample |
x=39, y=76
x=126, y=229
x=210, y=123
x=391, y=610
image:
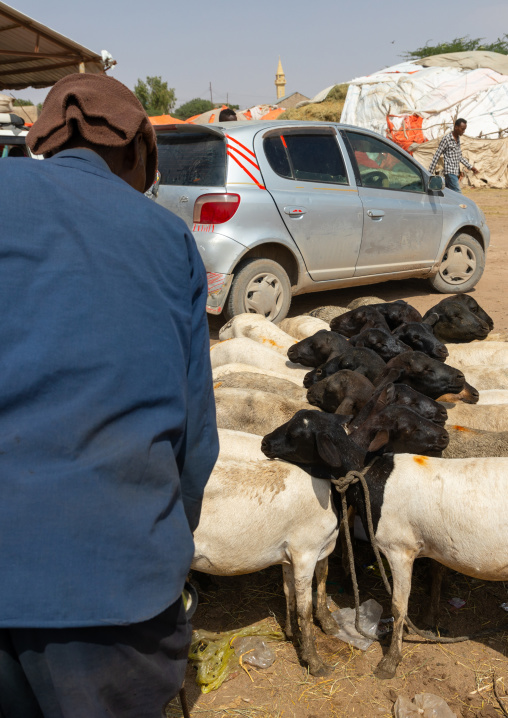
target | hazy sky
x=236, y=46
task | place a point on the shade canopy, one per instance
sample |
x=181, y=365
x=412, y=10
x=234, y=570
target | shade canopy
x=33, y=55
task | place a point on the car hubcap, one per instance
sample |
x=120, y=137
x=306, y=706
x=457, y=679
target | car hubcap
x=458, y=264
x=264, y=295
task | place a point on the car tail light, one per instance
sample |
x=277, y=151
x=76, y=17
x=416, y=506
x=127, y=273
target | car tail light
x=215, y=208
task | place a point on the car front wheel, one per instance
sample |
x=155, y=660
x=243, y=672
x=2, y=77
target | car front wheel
x=260, y=286
x=461, y=267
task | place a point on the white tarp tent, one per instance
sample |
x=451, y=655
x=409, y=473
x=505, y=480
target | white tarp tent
x=471, y=85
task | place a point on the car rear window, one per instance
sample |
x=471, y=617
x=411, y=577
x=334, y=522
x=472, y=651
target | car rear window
x=310, y=155
x=191, y=159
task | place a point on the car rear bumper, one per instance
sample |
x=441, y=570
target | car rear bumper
x=218, y=289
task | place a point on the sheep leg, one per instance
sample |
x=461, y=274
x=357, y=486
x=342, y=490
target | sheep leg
x=438, y=572
x=303, y=571
x=401, y=564
x=292, y=630
x=323, y=613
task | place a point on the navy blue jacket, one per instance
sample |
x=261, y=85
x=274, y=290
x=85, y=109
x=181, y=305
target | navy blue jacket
x=107, y=417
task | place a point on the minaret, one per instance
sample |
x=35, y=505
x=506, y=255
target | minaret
x=280, y=81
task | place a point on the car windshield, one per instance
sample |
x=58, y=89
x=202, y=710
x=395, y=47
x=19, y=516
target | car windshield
x=191, y=159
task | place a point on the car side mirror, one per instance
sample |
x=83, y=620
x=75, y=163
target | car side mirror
x=436, y=183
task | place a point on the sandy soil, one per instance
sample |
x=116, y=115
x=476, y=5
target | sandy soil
x=460, y=673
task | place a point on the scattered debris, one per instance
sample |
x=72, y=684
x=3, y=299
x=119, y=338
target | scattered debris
x=215, y=655
x=254, y=651
x=457, y=602
x=370, y=613
x=423, y=705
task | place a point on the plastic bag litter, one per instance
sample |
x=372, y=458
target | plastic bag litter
x=254, y=651
x=370, y=613
x=215, y=656
x=423, y=705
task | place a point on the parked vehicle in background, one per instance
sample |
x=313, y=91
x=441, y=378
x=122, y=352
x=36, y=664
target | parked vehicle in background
x=284, y=208
x=12, y=136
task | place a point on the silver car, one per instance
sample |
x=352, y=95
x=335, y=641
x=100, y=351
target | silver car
x=284, y=208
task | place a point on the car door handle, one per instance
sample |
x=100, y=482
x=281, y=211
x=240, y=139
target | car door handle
x=295, y=211
x=375, y=213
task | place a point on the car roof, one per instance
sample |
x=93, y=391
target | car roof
x=250, y=128
x=254, y=126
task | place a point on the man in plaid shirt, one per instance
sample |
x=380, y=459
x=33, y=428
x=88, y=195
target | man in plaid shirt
x=449, y=147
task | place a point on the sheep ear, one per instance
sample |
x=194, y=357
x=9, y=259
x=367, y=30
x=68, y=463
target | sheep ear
x=328, y=451
x=391, y=376
x=387, y=395
x=431, y=319
x=343, y=418
x=381, y=439
x=345, y=407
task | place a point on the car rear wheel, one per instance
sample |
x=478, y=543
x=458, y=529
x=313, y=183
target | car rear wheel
x=461, y=267
x=260, y=286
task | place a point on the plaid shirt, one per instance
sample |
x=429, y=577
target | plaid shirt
x=450, y=149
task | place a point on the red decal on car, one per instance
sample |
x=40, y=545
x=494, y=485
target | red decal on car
x=242, y=146
x=246, y=170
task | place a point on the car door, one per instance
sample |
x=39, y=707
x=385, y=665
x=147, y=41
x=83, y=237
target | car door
x=304, y=170
x=403, y=222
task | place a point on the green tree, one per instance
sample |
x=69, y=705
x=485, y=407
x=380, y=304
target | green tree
x=18, y=102
x=459, y=44
x=155, y=95
x=193, y=107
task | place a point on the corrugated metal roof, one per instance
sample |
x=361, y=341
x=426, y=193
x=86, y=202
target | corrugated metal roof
x=33, y=55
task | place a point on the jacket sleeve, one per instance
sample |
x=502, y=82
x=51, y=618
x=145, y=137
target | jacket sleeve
x=201, y=444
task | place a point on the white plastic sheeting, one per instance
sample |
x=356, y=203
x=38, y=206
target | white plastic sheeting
x=438, y=94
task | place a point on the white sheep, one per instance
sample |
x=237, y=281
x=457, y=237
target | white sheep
x=261, y=382
x=253, y=411
x=451, y=510
x=220, y=372
x=259, y=513
x=475, y=353
x=486, y=377
x=247, y=351
x=240, y=445
x=258, y=328
x=488, y=417
x=493, y=396
x=303, y=326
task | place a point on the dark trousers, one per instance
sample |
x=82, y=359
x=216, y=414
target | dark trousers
x=106, y=671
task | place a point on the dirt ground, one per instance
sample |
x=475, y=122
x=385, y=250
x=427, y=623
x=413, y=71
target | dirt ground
x=460, y=673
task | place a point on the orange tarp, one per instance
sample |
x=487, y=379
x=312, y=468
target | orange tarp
x=164, y=120
x=273, y=114
x=410, y=131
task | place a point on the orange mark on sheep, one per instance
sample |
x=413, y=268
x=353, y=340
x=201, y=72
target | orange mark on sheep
x=216, y=386
x=222, y=342
x=422, y=460
x=271, y=342
x=461, y=428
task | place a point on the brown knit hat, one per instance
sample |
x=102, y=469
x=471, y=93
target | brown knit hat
x=101, y=109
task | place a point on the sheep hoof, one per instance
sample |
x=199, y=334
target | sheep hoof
x=385, y=669
x=319, y=669
x=328, y=624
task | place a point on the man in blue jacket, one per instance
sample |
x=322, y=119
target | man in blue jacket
x=107, y=418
